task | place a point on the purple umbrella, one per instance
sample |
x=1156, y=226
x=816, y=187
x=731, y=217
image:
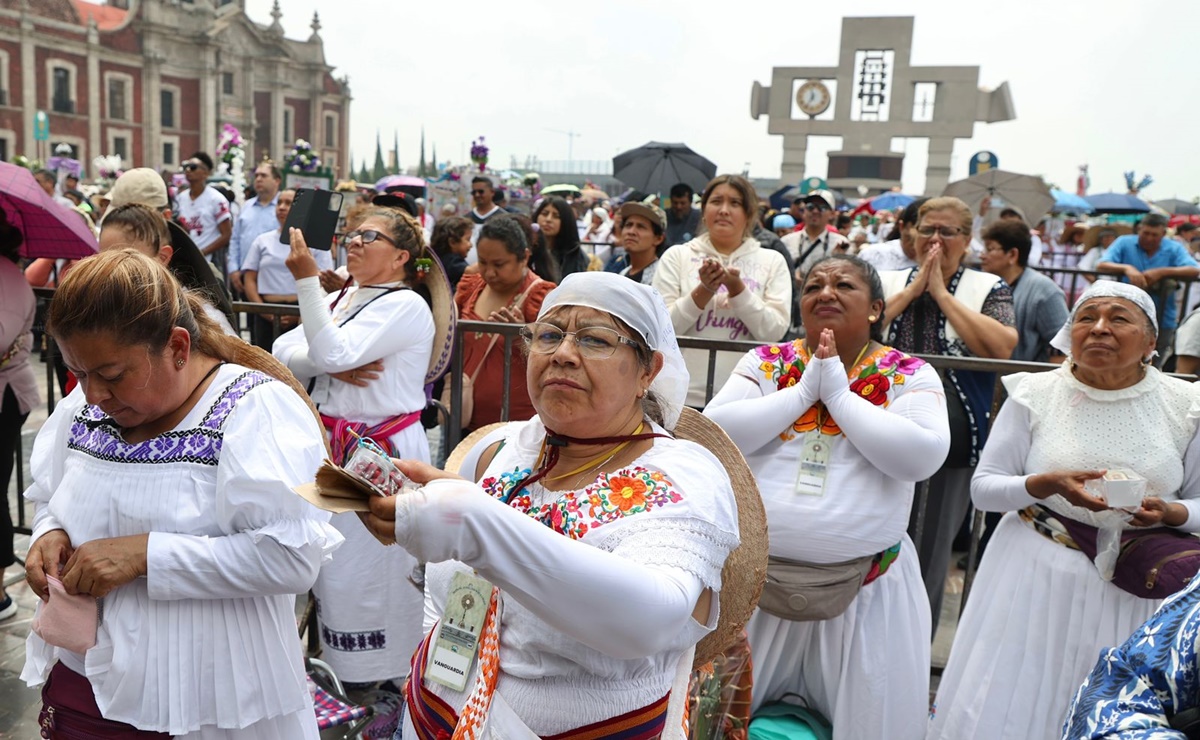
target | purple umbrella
x=49, y=229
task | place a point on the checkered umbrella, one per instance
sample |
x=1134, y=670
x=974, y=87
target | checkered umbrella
x=49, y=229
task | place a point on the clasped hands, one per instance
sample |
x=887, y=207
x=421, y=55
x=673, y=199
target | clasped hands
x=930, y=278
x=821, y=381
x=94, y=568
x=1070, y=484
x=713, y=275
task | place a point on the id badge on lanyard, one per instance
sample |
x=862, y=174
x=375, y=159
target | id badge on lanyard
x=459, y=631
x=815, y=453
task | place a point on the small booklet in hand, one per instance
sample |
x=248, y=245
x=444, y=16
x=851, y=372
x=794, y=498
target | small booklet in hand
x=369, y=472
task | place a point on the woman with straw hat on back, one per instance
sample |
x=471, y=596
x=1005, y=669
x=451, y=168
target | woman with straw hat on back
x=590, y=556
x=367, y=354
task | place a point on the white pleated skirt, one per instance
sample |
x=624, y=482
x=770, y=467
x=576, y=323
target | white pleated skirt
x=369, y=613
x=867, y=670
x=301, y=725
x=1036, y=620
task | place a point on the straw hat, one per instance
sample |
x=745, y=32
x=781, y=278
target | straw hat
x=746, y=567
x=1091, y=237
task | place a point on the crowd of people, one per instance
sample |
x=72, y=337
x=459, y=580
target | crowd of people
x=577, y=556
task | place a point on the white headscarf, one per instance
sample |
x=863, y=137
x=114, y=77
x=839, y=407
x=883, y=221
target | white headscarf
x=645, y=311
x=1105, y=289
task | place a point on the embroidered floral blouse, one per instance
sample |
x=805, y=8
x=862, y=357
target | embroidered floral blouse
x=885, y=420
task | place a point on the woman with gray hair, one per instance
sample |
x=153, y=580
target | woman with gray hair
x=1051, y=591
x=590, y=555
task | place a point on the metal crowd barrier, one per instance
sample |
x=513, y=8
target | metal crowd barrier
x=451, y=418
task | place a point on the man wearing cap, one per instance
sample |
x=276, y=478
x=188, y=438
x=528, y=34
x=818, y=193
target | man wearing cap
x=255, y=219
x=1155, y=265
x=203, y=211
x=145, y=186
x=683, y=221
x=642, y=232
x=816, y=241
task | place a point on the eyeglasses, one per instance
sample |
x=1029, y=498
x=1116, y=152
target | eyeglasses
x=191, y=166
x=815, y=207
x=478, y=192
x=593, y=342
x=946, y=232
x=369, y=236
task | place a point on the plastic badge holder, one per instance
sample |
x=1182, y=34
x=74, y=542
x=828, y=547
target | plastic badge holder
x=1121, y=488
x=371, y=465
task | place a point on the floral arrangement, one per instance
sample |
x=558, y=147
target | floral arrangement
x=302, y=158
x=1136, y=186
x=108, y=168
x=479, y=153
x=231, y=153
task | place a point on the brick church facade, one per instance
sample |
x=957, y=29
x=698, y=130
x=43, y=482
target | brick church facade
x=154, y=80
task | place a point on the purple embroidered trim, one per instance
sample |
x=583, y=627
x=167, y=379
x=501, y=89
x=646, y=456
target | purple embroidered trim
x=353, y=642
x=94, y=433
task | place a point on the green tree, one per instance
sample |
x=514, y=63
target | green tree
x=380, y=169
x=422, y=169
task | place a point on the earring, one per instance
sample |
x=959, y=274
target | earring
x=641, y=393
x=872, y=317
x=179, y=363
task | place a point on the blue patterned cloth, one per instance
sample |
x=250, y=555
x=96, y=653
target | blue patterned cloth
x=1134, y=688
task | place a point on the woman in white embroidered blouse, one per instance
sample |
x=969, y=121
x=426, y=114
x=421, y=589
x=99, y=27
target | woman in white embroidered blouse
x=365, y=354
x=156, y=494
x=881, y=417
x=1040, y=611
x=605, y=537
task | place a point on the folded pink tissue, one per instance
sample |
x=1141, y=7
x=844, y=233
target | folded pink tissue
x=68, y=621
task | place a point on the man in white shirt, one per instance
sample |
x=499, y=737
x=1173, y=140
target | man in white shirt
x=899, y=253
x=256, y=218
x=425, y=218
x=203, y=211
x=483, y=193
x=816, y=241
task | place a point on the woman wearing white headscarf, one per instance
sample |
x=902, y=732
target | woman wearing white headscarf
x=1041, y=610
x=603, y=535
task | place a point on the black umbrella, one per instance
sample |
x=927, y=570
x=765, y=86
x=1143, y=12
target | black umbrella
x=656, y=166
x=1177, y=207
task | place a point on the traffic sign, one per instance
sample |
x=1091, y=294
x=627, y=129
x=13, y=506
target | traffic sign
x=810, y=184
x=41, y=126
x=982, y=162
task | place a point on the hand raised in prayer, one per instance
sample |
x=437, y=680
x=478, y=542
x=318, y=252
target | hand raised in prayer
x=360, y=376
x=712, y=275
x=827, y=346
x=1069, y=484
x=46, y=557
x=935, y=280
x=99, y=566
x=300, y=260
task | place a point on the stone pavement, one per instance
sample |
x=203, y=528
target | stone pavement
x=19, y=705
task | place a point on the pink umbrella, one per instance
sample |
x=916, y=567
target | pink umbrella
x=49, y=229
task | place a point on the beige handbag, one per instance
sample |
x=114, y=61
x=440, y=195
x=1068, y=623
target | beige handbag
x=810, y=592
x=468, y=381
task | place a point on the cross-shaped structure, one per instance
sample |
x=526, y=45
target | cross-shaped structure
x=871, y=97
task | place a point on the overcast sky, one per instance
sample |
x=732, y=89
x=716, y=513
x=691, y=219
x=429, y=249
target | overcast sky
x=1104, y=82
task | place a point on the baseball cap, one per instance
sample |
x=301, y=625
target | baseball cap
x=822, y=197
x=651, y=213
x=783, y=221
x=140, y=185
